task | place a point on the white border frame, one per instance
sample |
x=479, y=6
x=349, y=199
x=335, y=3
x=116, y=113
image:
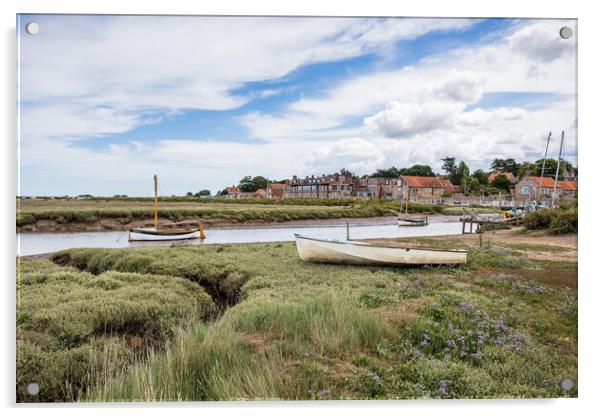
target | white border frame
x=589, y=131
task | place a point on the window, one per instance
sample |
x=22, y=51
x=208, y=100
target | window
x=524, y=190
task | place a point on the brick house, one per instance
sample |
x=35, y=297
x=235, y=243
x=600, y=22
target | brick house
x=416, y=188
x=383, y=188
x=275, y=190
x=527, y=189
x=233, y=192
x=325, y=186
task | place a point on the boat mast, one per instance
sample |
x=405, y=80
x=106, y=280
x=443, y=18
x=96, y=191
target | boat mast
x=557, y=169
x=543, y=166
x=156, y=205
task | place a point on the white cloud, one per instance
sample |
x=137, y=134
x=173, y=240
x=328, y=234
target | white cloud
x=357, y=155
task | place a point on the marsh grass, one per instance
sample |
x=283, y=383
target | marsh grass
x=496, y=327
x=237, y=211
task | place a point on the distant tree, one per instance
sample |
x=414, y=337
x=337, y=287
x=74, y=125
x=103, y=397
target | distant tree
x=549, y=170
x=204, y=192
x=480, y=176
x=223, y=192
x=449, y=164
x=505, y=165
x=524, y=169
x=345, y=172
x=454, y=174
x=251, y=184
x=463, y=169
x=501, y=182
x=417, y=170
x=470, y=185
x=189, y=194
x=391, y=172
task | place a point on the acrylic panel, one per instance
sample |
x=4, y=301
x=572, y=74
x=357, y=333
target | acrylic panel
x=295, y=208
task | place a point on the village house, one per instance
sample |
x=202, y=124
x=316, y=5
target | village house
x=275, y=190
x=383, y=188
x=425, y=188
x=232, y=192
x=260, y=193
x=325, y=186
x=534, y=188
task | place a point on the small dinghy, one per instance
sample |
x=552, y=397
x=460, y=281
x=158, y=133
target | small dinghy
x=413, y=220
x=361, y=253
x=164, y=234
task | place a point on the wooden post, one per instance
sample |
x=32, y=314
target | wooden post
x=347, y=230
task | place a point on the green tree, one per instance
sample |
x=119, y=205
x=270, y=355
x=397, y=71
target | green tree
x=417, y=170
x=345, y=172
x=549, y=170
x=449, y=164
x=251, y=184
x=501, y=182
x=470, y=186
x=480, y=176
x=505, y=165
x=391, y=172
x=463, y=169
x=204, y=192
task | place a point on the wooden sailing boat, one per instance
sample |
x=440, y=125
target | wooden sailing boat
x=164, y=234
x=412, y=219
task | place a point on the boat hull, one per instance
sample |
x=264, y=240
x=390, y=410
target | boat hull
x=358, y=253
x=151, y=234
x=412, y=221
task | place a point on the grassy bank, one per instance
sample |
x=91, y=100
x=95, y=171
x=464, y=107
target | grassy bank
x=504, y=325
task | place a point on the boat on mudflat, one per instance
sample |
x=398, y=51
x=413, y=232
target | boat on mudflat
x=413, y=220
x=362, y=253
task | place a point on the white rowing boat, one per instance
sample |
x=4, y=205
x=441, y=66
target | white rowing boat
x=164, y=234
x=361, y=253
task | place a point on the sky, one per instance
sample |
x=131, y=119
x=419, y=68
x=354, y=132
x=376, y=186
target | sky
x=106, y=102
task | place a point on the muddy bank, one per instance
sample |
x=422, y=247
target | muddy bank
x=110, y=224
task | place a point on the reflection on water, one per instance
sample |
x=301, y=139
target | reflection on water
x=38, y=243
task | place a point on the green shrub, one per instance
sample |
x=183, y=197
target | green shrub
x=565, y=222
x=25, y=219
x=557, y=220
x=538, y=220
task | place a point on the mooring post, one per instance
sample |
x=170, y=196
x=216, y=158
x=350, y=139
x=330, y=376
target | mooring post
x=348, y=231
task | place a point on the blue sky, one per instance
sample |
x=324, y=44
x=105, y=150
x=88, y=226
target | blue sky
x=108, y=101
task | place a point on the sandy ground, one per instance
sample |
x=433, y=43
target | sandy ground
x=536, y=245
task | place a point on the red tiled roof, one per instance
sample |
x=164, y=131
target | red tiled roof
x=568, y=185
x=276, y=186
x=549, y=183
x=260, y=191
x=425, y=182
x=233, y=190
x=543, y=182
